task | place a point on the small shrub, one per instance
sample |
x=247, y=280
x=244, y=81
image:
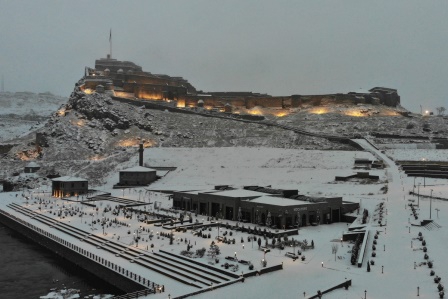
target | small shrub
x=200, y=252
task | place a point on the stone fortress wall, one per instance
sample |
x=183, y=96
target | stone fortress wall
x=131, y=81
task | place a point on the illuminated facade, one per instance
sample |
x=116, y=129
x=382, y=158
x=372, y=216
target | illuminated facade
x=67, y=186
x=283, y=208
x=128, y=80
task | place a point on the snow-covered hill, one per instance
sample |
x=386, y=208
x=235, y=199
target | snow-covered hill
x=91, y=134
x=22, y=112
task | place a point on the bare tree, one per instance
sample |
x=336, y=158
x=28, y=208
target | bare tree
x=440, y=110
x=334, y=250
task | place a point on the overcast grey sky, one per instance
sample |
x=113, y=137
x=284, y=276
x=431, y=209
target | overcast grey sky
x=277, y=47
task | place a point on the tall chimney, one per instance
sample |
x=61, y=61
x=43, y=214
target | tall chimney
x=140, y=154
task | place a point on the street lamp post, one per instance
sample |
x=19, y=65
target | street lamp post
x=430, y=205
x=418, y=195
x=413, y=188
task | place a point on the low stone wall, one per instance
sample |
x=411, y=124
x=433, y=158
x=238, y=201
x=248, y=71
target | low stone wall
x=363, y=249
x=345, y=284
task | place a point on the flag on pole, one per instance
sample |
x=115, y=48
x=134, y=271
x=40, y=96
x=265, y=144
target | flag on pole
x=110, y=35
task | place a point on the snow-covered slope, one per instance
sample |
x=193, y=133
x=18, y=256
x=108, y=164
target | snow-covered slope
x=22, y=112
x=95, y=128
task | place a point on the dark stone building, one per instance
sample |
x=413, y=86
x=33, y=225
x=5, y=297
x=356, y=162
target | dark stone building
x=262, y=208
x=69, y=186
x=31, y=167
x=137, y=176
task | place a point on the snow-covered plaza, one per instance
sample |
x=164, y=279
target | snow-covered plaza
x=124, y=230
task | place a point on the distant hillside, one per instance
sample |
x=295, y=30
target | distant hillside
x=28, y=105
x=22, y=112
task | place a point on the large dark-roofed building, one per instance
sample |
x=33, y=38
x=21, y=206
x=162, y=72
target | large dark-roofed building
x=69, y=186
x=255, y=206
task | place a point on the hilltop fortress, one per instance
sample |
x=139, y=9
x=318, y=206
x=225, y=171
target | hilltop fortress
x=128, y=80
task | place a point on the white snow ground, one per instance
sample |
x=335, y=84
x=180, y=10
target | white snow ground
x=308, y=171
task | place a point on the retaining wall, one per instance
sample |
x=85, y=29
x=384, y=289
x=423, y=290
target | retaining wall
x=49, y=241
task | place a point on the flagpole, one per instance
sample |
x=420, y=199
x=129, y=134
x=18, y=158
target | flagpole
x=110, y=42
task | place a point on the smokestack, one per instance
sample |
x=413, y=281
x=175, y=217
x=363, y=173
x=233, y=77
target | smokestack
x=140, y=154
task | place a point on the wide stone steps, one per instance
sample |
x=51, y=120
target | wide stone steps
x=179, y=268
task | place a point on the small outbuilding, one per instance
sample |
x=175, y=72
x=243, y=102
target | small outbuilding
x=31, y=167
x=137, y=176
x=69, y=186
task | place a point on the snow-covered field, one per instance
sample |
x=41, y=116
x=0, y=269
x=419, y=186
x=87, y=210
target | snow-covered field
x=308, y=171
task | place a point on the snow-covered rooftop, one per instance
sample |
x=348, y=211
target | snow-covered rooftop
x=32, y=164
x=279, y=201
x=239, y=193
x=68, y=179
x=196, y=192
x=138, y=169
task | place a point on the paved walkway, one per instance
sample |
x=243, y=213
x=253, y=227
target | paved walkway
x=394, y=250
